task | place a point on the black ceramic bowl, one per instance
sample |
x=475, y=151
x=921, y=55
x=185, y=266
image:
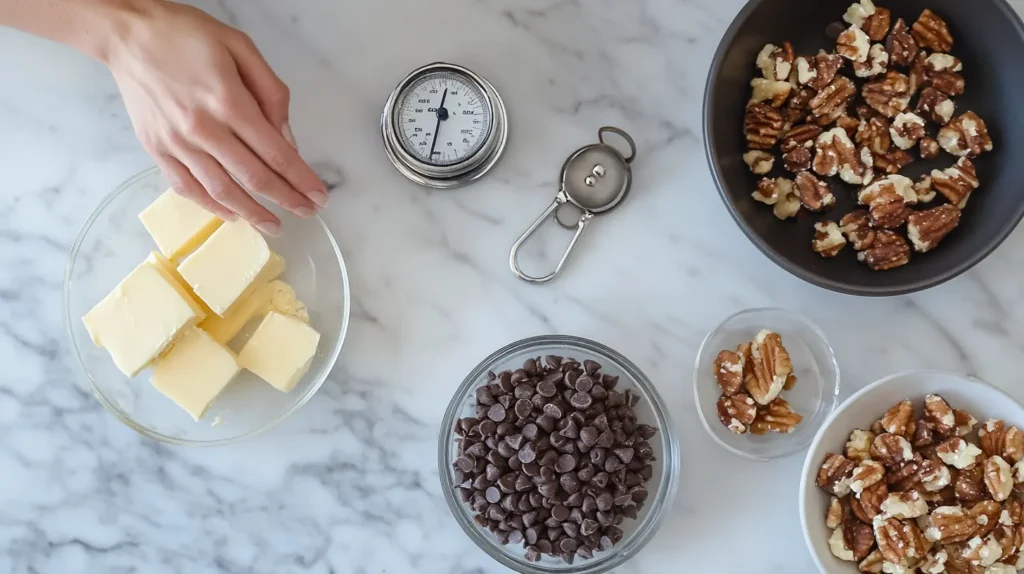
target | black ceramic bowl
x=988, y=38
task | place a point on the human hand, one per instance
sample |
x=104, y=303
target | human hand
x=212, y=113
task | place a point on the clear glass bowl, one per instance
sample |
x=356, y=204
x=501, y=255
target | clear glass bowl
x=113, y=241
x=814, y=397
x=651, y=409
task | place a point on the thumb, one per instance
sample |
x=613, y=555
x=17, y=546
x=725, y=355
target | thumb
x=272, y=94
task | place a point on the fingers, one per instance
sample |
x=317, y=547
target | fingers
x=277, y=154
x=256, y=176
x=184, y=183
x=222, y=188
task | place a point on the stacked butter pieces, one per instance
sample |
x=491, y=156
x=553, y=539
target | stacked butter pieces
x=929, y=491
x=752, y=378
x=177, y=310
x=801, y=106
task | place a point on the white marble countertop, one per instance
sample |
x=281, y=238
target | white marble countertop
x=350, y=483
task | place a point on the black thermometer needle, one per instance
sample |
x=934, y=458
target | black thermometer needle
x=442, y=114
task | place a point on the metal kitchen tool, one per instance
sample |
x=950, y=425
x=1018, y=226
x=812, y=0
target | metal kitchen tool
x=444, y=126
x=595, y=180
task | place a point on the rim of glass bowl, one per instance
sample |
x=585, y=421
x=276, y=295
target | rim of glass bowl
x=662, y=500
x=834, y=396
x=83, y=373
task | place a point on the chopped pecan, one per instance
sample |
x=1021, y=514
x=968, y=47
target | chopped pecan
x=904, y=505
x=797, y=160
x=856, y=225
x=969, y=484
x=889, y=251
x=858, y=446
x=770, y=91
x=892, y=162
x=936, y=105
x=859, y=538
x=868, y=504
x=924, y=435
x=780, y=194
x=772, y=366
x=828, y=239
x=759, y=162
x=853, y=44
x=866, y=474
x=876, y=64
x=958, y=453
x=1013, y=447
x=992, y=437
x=873, y=563
x=801, y=136
x=889, y=95
x=874, y=134
x=876, y=26
x=986, y=516
x=926, y=229
x=931, y=31
x=737, y=412
x=951, y=524
x=835, y=153
x=956, y=183
x=838, y=509
x=891, y=450
x=906, y=130
x=901, y=45
x=798, y=105
x=942, y=72
x=837, y=545
x=938, y=412
x=934, y=475
x=918, y=75
x=729, y=371
x=762, y=125
x=848, y=125
x=778, y=416
x=814, y=193
x=831, y=101
x=904, y=477
x=929, y=150
x=965, y=422
x=934, y=562
x=983, y=552
x=901, y=543
x=834, y=474
x=923, y=188
x=819, y=71
x=887, y=201
x=859, y=12
x=776, y=62
x=998, y=478
x=967, y=135
x=898, y=417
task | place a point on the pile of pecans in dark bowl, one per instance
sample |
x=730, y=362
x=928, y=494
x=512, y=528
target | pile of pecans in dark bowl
x=555, y=458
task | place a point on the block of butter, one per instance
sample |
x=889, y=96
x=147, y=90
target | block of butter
x=141, y=318
x=195, y=371
x=280, y=351
x=271, y=296
x=177, y=224
x=227, y=265
x=170, y=272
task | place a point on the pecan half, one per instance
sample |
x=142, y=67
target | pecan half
x=892, y=162
x=965, y=422
x=830, y=102
x=891, y=450
x=938, y=412
x=967, y=135
x=818, y=72
x=998, y=478
x=942, y=72
x=986, y=516
x=934, y=562
x=992, y=437
x=901, y=45
x=898, y=417
x=889, y=95
x=729, y=371
x=873, y=563
x=924, y=435
x=934, y=475
x=936, y=105
x=901, y=543
x=856, y=225
x=931, y=31
x=866, y=474
x=834, y=474
x=951, y=524
x=801, y=136
x=814, y=193
x=874, y=134
x=828, y=239
x=1013, y=446
x=887, y=201
x=926, y=229
x=798, y=105
x=956, y=183
x=762, y=126
x=859, y=538
x=737, y=412
x=889, y=251
x=918, y=75
x=838, y=509
x=835, y=153
x=906, y=130
x=868, y=504
x=772, y=366
x=778, y=416
x=969, y=484
x=876, y=26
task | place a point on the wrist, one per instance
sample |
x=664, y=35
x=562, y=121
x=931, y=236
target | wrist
x=111, y=24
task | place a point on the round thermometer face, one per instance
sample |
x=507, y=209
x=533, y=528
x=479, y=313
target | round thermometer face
x=442, y=118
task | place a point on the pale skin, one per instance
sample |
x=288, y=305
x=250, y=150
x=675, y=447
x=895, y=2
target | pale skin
x=203, y=101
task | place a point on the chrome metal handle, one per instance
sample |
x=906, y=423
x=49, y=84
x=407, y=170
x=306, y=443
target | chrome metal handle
x=514, y=254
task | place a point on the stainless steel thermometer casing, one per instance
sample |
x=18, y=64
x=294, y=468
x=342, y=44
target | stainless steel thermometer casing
x=477, y=115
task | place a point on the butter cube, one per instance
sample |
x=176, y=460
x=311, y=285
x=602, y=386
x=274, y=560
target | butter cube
x=177, y=224
x=280, y=351
x=272, y=296
x=170, y=272
x=195, y=371
x=141, y=318
x=224, y=268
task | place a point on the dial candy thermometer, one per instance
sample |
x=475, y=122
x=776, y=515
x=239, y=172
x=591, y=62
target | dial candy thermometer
x=444, y=126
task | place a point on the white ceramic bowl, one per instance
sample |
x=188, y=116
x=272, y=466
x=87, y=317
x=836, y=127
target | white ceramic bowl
x=868, y=405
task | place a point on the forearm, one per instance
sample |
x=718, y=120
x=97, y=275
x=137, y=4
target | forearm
x=86, y=25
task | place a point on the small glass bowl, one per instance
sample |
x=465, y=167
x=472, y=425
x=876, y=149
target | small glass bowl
x=814, y=397
x=651, y=409
x=113, y=241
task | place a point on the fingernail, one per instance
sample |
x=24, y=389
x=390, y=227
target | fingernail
x=319, y=197
x=289, y=137
x=269, y=227
x=304, y=211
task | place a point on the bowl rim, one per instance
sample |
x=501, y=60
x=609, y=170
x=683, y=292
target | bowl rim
x=836, y=388
x=661, y=501
x=83, y=373
x=792, y=268
x=809, y=463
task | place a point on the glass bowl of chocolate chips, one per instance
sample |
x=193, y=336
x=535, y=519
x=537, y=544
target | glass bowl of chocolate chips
x=557, y=454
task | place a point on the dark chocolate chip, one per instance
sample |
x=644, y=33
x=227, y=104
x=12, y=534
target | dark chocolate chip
x=478, y=449
x=584, y=384
x=575, y=501
x=570, y=484
x=466, y=484
x=515, y=537
x=568, y=545
x=547, y=389
x=589, y=435
x=530, y=517
x=515, y=463
x=552, y=361
x=529, y=431
x=570, y=379
x=496, y=413
x=615, y=533
x=601, y=422
x=505, y=449
x=600, y=479
x=523, y=391
x=549, y=458
x=606, y=439
x=546, y=423
x=572, y=530
x=465, y=463
x=606, y=543
x=570, y=430
x=530, y=366
x=624, y=454
x=488, y=428
x=599, y=394
x=545, y=546
x=484, y=396
x=548, y=489
x=605, y=501
x=609, y=381
x=565, y=463
x=532, y=554
x=527, y=453
x=585, y=552
x=560, y=512
x=517, y=377
x=509, y=503
x=553, y=410
x=581, y=400
x=531, y=535
x=514, y=440
x=531, y=469
x=507, y=482
x=586, y=473
x=523, y=483
x=481, y=482
x=505, y=429
x=492, y=473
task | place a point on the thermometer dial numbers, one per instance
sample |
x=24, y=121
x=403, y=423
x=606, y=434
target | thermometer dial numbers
x=442, y=119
